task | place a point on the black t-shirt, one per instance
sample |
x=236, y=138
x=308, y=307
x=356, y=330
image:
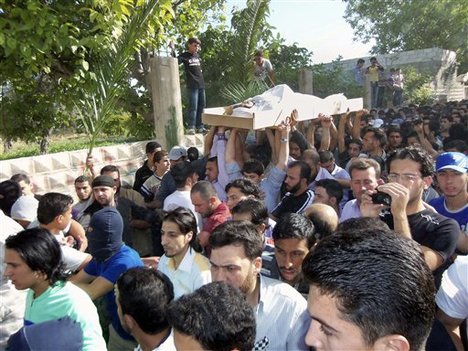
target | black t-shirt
x=293, y=204
x=434, y=231
x=193, y=70
x=141, y=175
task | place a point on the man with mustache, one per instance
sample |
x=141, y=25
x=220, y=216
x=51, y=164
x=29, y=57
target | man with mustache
x=294, y=236
x=298, y=196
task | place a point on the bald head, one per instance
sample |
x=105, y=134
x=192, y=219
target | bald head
x=324, y=218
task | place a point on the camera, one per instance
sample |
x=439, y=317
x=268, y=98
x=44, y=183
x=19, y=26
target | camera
x=381, y=198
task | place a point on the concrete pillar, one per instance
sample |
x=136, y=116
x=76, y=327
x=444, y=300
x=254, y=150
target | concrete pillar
x=167, y=101
x=367, y=93
x=306, y=80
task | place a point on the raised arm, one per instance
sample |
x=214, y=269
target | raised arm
x=273, y=144
x=325, y=122
x=223, y=178
x=230, y=154
x=342, y=133
x=419, y=128
x=356, y=133
x=209, y=141
x=283, y=152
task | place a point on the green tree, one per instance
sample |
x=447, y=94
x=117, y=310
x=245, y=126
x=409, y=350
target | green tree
x=228, y=53
x=62, y=44
x=333, y=79
x=411, y=24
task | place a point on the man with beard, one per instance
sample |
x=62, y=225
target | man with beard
x=111, y=258
x=143, y=296
x=410, y=172
x=451, y=173
x=280, y=311
x=83, y=192
x=294, y=236
x=108, y=192
x=104, y=189
x=182, y=261
x=298, y=196
x=207, y=203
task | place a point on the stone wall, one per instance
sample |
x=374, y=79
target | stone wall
x=439, y=63
x=57, y=172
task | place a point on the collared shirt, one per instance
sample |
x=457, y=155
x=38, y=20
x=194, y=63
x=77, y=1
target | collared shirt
x=350, y=210
x=281, y=316
x=192, y=273
x=166, y=345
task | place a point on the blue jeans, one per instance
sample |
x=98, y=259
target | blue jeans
x=374, y=94
x=397, y=97
x=196, y=106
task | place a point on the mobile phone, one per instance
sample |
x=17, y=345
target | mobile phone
x=381, y=198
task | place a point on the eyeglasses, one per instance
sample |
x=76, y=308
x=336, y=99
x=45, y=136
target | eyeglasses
x=394, y=177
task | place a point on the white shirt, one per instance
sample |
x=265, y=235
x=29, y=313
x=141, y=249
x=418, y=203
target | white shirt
x=167, y=345
x=192, y=273
x=452, y=297
x=281, y=316
x=350, y=210
x=181, y=198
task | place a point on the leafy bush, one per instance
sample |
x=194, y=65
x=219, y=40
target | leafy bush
x=417, y=88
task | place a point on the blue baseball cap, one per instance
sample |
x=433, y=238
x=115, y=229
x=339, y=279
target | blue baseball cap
x=452, y=160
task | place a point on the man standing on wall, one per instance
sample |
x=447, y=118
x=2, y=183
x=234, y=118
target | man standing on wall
x=195, y=84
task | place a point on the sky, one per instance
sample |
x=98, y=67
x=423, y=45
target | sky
x=317, y=25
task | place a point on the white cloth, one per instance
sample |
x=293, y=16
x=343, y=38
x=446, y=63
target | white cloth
x=340, y=173
x=452, y=297
x=350, y=210
x=12, y=301
x=321, y=174
x=182, y=198
x=167, y=345
x=281, y=316
x=25, y=208
x=8, y=227
x=192, y=273
x=71, y=257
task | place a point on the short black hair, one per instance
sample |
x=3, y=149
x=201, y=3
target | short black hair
x=52, y=205
x=361, y=223
x=416, y=154
x=379, y=135
x=294, y=226
x=159, y=155
x=40, y=251
x=204, y=188
x=109, y=169
x=145, y=294
x=380, y=281
x=305, y=169
x=257, y=210
x=181, y=171
x=217, y=316
x=192, y=153
x=238, y=233
x=83, y=179
x=246, y=187
x=326, y=156
x=18, y=177
x=194, y=40
x=152, y=146
x=10, y=191
x=253, y=166
x=186, y=221
x=332, y=187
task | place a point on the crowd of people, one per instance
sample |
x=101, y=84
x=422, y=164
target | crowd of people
x=386, y=88
x=271, y=245
x=343, y=232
